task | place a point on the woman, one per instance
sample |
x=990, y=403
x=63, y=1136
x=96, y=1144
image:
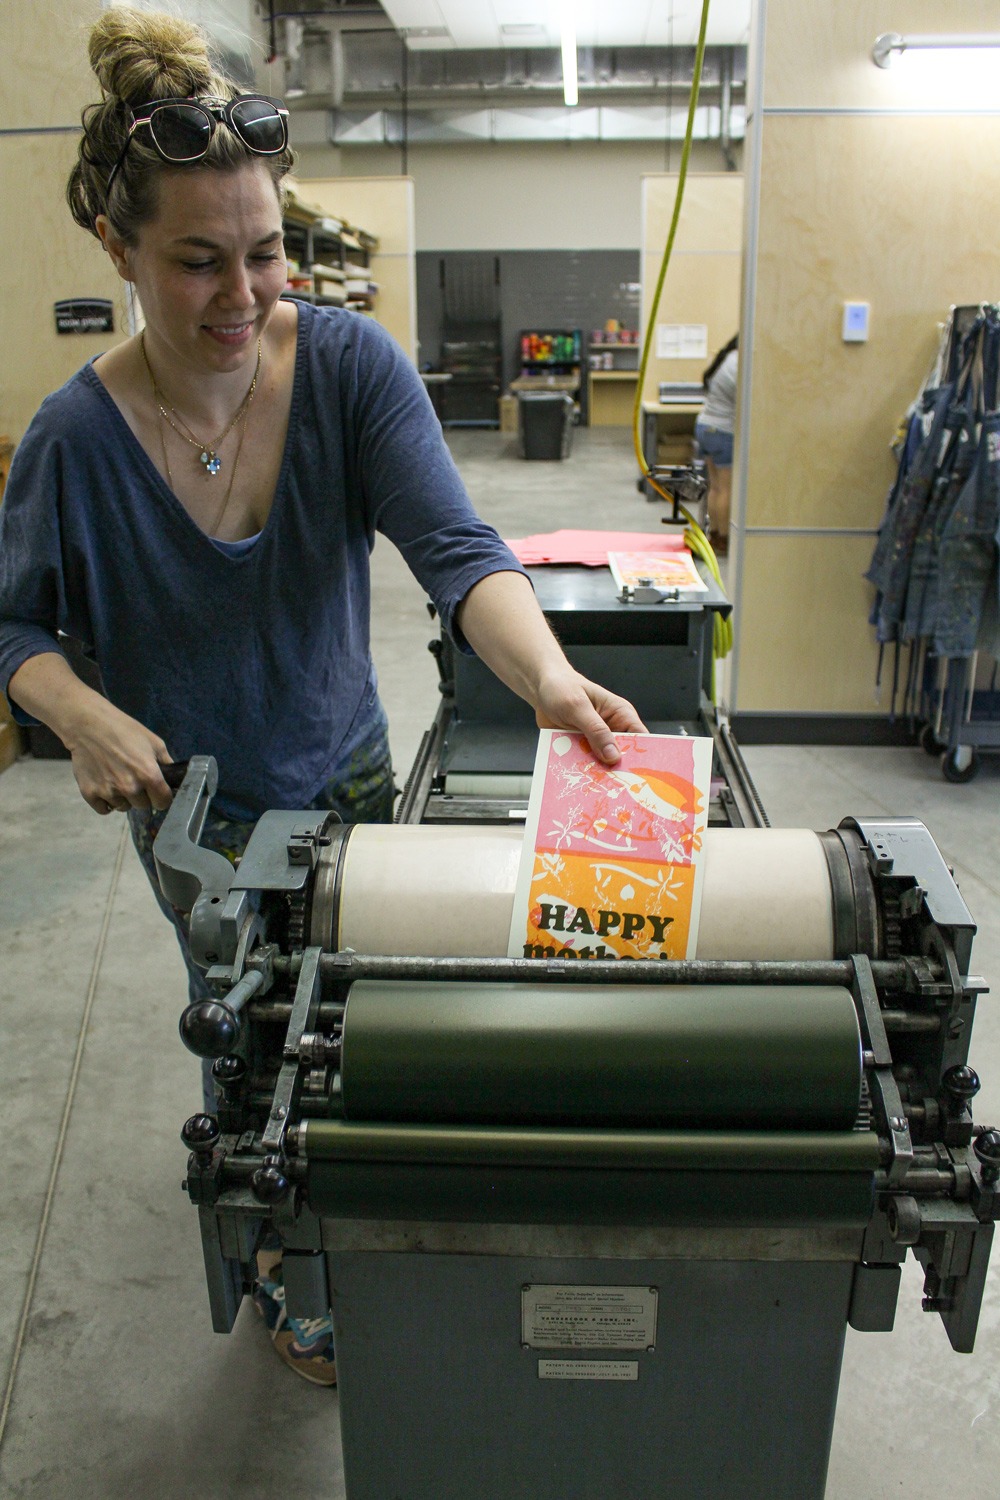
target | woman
x=197, y=506
x=714, y=434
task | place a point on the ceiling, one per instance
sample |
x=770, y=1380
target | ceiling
x=444, y=24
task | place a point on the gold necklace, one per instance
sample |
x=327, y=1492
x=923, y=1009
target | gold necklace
x=209, y=455
x=211, y=531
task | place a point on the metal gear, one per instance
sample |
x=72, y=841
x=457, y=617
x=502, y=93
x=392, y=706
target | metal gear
x=297, y=903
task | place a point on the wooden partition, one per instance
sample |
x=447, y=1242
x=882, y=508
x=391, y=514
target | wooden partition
x=856, y=190
x=703, y=280
x=45, y=81
x=384, y=207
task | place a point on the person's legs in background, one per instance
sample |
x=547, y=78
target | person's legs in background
x=716, y=448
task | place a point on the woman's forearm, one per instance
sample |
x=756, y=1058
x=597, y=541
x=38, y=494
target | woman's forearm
x=116, y=760
x=47, y=688
x=501, y=620
x=503, y=624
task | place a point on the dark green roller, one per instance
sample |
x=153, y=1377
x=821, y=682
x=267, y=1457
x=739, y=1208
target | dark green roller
x=743, y=1057
x=593, y=1150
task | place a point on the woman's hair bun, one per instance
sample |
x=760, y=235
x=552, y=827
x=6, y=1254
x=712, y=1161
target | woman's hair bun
x=140, y=55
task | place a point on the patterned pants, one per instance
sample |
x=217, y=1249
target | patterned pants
x=361, y=793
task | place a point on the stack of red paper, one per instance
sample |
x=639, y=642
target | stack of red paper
x=591, y=547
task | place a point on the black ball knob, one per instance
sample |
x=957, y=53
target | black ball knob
x=200, y=1134
x=269, y=1183
x=987, y=1149
x=229, y=1071
x=209, y=1029
x=961, y=1084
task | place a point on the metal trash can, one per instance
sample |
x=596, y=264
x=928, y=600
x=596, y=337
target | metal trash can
x=545, y=424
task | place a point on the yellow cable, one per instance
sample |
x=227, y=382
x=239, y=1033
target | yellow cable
x=694, y=537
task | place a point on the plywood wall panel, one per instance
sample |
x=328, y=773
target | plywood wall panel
x=837, y=223
x=703, y=280
x=819, y=56
x=711, y=215
x=395, y=306
x=805, y=644
x=56, y=260
x=45, y=77
x=384, y=207
x=863, y=194
x=698, y=289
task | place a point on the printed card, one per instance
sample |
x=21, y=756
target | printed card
x=612, y=861
x=673, y=570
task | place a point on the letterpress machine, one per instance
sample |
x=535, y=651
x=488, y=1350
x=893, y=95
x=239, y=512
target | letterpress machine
x=474, y=764
x=589, y=1231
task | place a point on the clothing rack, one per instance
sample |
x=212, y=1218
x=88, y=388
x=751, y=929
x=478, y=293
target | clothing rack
x=935, y=563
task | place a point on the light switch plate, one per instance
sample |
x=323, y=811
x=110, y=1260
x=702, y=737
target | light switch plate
x=855, y=329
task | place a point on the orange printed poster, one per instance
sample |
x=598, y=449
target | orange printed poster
x=671, y=570
x=612, y=860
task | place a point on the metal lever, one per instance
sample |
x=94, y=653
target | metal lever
x=174, y=773
x=211, y=1028
x=185, y=870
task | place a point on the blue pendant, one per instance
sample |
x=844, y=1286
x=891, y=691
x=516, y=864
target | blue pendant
x=212, y=462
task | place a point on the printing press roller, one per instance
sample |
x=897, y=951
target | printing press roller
x=402, y=1103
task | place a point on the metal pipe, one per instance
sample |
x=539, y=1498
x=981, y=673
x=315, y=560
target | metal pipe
x=331, y=1013
x=279, y=1013
x=888, y=974
x=726, y=110
x=927, y=1181
x=243, y=990
x=910, y=1021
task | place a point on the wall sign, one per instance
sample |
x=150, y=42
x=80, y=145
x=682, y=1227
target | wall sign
x=682, y=340
x=84, y=315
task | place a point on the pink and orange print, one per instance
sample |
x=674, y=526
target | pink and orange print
x=612, y=858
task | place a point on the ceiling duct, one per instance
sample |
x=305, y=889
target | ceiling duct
x=311, y=43
x=358, y=62
x=618, y=122
x=351, y=64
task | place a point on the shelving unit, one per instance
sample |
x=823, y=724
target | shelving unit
x=612, y=372
x=613, y=353
x=329, y=259
x=551, y=359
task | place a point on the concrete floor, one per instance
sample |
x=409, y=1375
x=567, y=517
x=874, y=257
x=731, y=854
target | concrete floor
x=116, y=1384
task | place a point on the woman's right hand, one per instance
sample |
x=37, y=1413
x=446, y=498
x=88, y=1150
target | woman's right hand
x=117, y=760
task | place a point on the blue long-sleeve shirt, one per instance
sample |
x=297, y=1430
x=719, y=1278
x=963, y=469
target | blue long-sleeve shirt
x=262, y=659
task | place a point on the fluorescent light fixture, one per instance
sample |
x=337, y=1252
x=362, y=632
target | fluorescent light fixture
x=567, y=28
x=890, y=42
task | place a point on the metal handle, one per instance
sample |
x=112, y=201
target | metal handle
x=174, y=773
x=185, y=870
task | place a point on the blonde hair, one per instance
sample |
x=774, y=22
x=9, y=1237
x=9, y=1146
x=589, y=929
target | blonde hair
x=138, y=56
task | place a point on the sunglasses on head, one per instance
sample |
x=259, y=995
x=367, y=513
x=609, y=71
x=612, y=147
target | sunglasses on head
x=181, y=129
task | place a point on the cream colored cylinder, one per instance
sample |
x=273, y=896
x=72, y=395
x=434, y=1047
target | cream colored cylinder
x=450, y=891
x=411, y=889
x=766, y=894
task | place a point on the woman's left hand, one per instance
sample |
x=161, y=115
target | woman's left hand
x=568, y=701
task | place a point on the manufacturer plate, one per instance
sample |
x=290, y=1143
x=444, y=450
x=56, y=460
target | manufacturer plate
x=588, y=1369
x=588, y=1317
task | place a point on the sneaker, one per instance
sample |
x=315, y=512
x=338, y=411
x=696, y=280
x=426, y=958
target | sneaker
x=305, y=1344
